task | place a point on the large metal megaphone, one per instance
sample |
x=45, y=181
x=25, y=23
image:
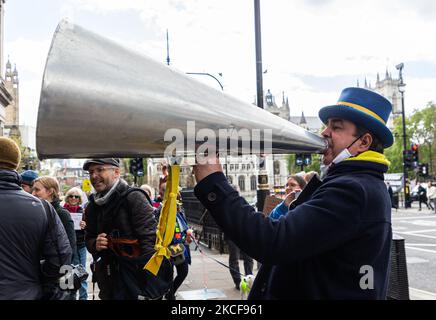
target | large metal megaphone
x=99, y=99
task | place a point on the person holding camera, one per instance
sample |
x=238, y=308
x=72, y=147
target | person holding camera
x=31, y=249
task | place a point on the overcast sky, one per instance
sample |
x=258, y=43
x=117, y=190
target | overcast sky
x=311, y=49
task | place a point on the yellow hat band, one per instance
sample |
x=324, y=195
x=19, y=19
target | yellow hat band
x=363, y=109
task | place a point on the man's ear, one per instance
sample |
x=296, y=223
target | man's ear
x=365, y=142
x=117, y=172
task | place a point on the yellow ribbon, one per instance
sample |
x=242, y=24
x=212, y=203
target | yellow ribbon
x=167, y=222
x=363, y=109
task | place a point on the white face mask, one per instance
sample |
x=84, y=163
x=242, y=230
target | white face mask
x=344, y=154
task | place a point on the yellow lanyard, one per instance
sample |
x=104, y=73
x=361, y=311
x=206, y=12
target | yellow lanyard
x=167, y=222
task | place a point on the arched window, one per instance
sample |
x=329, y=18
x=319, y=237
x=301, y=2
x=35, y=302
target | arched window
x=253, y=183
x=241, y=183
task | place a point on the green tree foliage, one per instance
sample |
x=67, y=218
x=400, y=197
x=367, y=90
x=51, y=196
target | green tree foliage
x=421, y=129
x=395, y=152
x=293, y=168
x=423, y=123
x=28, y=157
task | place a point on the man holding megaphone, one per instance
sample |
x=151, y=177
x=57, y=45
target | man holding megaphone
x=335, y=241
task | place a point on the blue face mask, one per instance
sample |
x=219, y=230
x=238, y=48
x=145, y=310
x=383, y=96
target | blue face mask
x=344, y=154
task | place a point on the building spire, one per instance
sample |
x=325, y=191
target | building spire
x=8, y=64
x=378, y=77
x=357, y=84
x=15, y=75
x=303, y=118
x=366, y=83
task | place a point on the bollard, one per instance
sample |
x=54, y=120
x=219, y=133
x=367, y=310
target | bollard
x=398, y=285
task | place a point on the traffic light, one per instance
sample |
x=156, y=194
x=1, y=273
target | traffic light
x=407, y=156
x=136, y=167
x=423, y=169
x=415, y=155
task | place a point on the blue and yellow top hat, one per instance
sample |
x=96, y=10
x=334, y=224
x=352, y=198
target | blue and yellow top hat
x=364, y=108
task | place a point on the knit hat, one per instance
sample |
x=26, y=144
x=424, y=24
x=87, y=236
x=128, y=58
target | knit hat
x=10, y=155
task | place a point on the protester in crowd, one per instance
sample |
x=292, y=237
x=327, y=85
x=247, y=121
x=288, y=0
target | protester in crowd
x=431, y=194
x=391, y=195
x=182, y=235
x=422, y=196
x=147, y=189
x=235, y=254
x=335, y=242
x=31, y=252
x=294, y=184
x=47, y=188
x=27, y=178
x=308, y=176
x=73, y=203
x=120, y=231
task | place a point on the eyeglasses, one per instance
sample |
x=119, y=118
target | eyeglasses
x=75, y=197
x=99, y=170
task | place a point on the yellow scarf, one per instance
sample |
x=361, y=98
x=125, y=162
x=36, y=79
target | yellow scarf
x=371, y=156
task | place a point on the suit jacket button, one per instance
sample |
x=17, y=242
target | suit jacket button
x=211, y=197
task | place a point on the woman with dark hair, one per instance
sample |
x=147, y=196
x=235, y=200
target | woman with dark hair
x=294, y=185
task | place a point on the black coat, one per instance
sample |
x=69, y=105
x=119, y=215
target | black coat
x=68, y=224
x=322, y=248
x=25, y=240
x=132, y=219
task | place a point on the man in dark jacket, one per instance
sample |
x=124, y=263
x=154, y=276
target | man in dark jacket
x=109, y=216
x=25, y=238
x=335, y=241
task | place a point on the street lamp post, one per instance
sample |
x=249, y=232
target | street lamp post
x=262, y=178
x=401, y=89
x=207, y=74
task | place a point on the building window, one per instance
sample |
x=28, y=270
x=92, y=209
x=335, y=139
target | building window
x=236, y=166
x=243, y=167
x=230, y=178
x=231, y=167
x=253, y=183
x=241, y=183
